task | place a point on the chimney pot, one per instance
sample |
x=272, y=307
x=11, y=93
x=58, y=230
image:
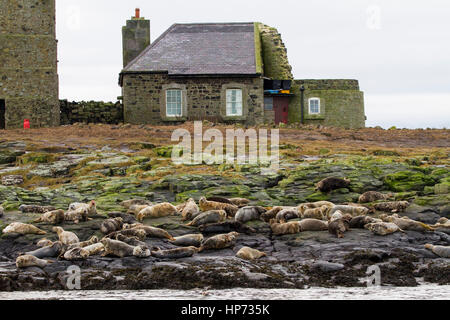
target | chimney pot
x=138, y=13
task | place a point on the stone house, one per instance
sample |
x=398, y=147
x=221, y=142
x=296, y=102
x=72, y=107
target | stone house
x=225, y=72
x=28, y=64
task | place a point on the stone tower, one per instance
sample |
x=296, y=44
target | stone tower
x=135, y=37
x=28, y=64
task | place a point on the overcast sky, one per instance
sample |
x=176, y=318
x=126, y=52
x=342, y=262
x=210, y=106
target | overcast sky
x=398, y=50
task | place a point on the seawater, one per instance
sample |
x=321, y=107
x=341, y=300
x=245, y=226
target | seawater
x=423, y=292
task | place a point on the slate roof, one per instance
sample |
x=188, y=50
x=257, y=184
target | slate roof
x=200, y=49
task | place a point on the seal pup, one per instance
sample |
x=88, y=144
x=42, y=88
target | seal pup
x=441, y=251
x=239, y=202
x=157, y=211
x=152, y=232
x=90, y=207
x=287, y=214
x=190, y=209
x=51, y=217
x=66, y=237
x=121, y=249
x=111, y=225
x=407, y=223
x=312, y=225
x=189, y=240
x=206, y=205
x=279, y=229
x=26, y=261
x=393, y=206
x=247, y=214
x=23, y=229
x=128, y=203
x=177, y=253
x=354, y=211
x=51, y=251
x=227, y=227
x=329, y=184
x=360, y=221
x=372, y=196
x=44, y=243
x=76, y=254
x=220, y=241
x=126, y=218
x=247, y=253
x=212, y=216
x=383, y=228
x=338, y=227
x=35, y=208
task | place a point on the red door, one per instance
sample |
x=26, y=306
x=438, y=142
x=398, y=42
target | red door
x=281, y=108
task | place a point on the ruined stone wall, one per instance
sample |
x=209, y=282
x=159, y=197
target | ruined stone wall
x=91, y=112
x=204, y=98
x=274, y=53
x=341, y=103
x=28, y=62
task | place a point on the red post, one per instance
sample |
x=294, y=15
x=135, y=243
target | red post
x=26, y=124
x=138, y=13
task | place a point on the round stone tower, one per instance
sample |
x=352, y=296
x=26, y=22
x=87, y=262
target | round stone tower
x=28, y=64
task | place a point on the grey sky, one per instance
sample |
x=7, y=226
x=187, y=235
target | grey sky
x=399, y=50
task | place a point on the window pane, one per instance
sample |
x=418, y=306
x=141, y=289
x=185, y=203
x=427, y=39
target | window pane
x=174, y=103
x=234, y=102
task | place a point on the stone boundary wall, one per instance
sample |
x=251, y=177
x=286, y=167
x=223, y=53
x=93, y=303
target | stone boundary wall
x=91, y=112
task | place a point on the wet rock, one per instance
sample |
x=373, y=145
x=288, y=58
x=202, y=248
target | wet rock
x=326, y=266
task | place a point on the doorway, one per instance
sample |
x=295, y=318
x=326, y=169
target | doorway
x=2, y=114
x=281, y=106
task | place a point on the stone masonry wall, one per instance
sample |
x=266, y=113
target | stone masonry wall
x=91, y=112
x=28, y=62
x=144, y=98
x=341, y=103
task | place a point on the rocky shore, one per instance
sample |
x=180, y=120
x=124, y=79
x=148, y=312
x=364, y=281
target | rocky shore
x=35, y=171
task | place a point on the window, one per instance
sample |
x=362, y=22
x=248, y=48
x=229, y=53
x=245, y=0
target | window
x=314, y=106
x=234, y=102
x=268, y=103
x=174, y=103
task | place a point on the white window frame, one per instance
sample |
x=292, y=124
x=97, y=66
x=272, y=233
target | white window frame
x=239, y=105
x=171, y=103
x=309, y=105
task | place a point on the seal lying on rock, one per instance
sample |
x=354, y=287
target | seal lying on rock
x=121, y=249
x=190, y=209
x=371, y=196
x=94, y=249
x=151, y=232
x=312, y=225
x=247, y=253
x=219, y=199
x=360, y=221
x=76, y=254
x=52, y=217
x=220, y=241
x=279, y=229
x=332, y=183
x=126, y=218
x=312, y=205
x=206, y=205
x=406, y=223
x=136, y=208
x=23, y=229
x=177, y=253
x=51, y=251
x=354, y=211
x=394, y=206
x=132, y=241
x=338, y=227
x=246, y=214
x=128, y=203
x=240, y=202
x=31, y=261
x=383, y=228
x=441, y=251
x=111, y=225
x=92, y=240
x=66, y=237
x=227, y=227
x=35, y=208
x=190, y=240
x=77, y=215
x=212, y=216
x=287, y=214
x=91, y=207
x=157, y=211
x=132, y=232
x=316, y=213
x=44, y=243
x=271, y=214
